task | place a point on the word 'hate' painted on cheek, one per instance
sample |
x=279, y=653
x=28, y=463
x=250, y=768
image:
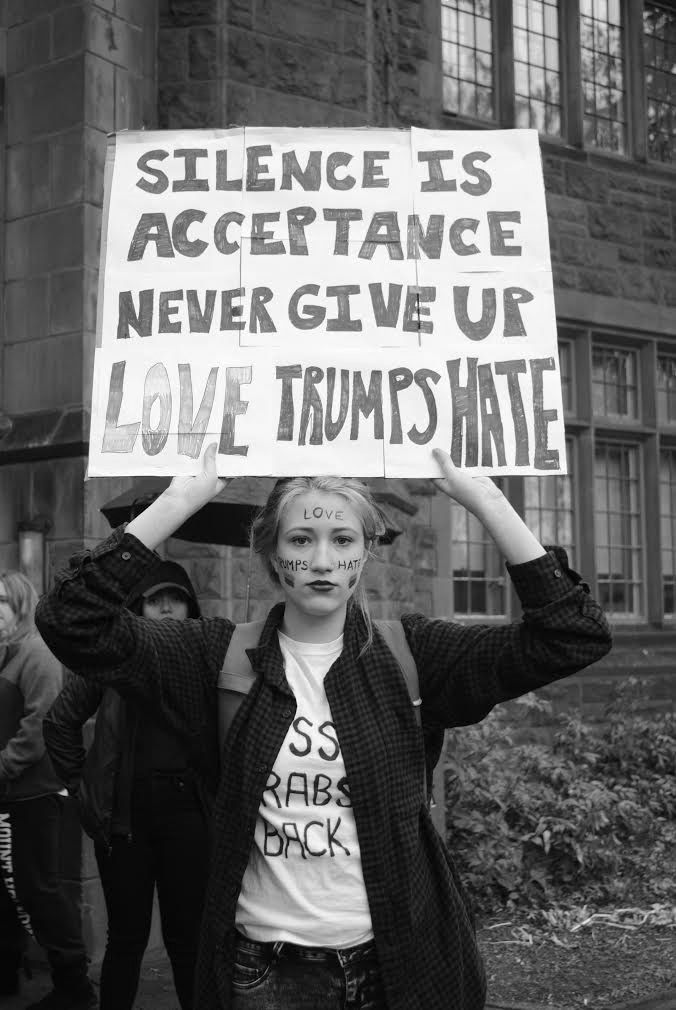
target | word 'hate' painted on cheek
x=319, y=512
x=350, y=566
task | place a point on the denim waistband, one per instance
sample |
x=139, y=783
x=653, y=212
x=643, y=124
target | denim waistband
x=283, y=948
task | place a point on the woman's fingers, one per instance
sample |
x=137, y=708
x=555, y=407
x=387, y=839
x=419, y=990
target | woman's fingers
x=457, y=483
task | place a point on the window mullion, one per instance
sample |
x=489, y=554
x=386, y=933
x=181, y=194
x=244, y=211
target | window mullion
x=503, y=42
x=570, y=35
x=636, y=91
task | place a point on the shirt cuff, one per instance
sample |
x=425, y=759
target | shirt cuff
x=123, y=558
x=543, y=580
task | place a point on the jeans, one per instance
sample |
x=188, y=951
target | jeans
x=168, y=848
x=51, y=902
x=283, y=976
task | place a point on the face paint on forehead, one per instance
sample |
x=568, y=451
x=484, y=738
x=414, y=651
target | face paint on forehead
x=313, y=511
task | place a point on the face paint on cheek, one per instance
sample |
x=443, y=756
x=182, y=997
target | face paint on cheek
x=353, y=582
x=289, y=580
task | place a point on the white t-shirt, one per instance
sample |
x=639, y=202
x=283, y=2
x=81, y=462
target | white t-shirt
x=304, y=881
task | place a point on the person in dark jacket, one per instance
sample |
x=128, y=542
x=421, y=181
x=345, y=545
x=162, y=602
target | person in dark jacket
x=329, y=884
x=143, y=805
x=30, y=679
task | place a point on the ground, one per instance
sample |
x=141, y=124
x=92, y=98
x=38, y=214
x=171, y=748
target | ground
x=598, y=966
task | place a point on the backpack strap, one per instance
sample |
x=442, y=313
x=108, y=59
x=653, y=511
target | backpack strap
x=236, y=677
x=396, y=641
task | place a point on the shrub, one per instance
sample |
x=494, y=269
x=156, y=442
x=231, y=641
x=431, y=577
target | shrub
x=591, y=813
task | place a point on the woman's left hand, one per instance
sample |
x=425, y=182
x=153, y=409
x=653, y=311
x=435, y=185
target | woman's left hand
x=471, y=492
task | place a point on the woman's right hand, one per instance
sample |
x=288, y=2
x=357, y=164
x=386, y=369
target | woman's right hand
x=193, y=492
x=183, y=497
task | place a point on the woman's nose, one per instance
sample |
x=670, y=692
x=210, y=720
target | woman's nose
x=321, y=557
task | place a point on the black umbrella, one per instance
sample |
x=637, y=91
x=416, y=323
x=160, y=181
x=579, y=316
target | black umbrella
x=226, y=519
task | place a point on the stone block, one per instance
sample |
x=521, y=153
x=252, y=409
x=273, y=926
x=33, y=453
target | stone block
x=26, y=309
x=42, y=374
x=17, y=249
x=113, y=39
x=90, y=283
x=597, y=281
x=28, y=45
x=68, y=31
x=241, y=13
x=190, y=106
x=128, y=100
x=629, y=253
x=352, y=89
x=99, y=93
x=564, y=276
x=586, y=183
x=273, y=108
x=667, y=288
x=57, y=493
x=65, y=307
x=172, y=55
x=28, y=184
x=300, y=70
x=355, y=41
x=67, y=167
x=657, y=221
x=630, y=183
x=184, y=13
x=91, y=234
x=248, y=59
x=45, y=100
x=614, y=224
x=660, y=255
x=308, y=24
x=637, y=284
x=204, y=62
x=56, y=240
x=349, y=117
x=95, y=147
x=564, y=208
x=241, y=104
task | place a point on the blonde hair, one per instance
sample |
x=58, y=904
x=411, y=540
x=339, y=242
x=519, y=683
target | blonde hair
x=265, y=527
x=22, y=601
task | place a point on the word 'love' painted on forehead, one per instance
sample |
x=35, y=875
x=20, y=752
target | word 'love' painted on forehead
x=319, y=512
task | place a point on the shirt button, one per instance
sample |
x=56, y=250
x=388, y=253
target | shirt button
x=125, y=555
x=557, y=573
x=287, y=713
x=262, y=769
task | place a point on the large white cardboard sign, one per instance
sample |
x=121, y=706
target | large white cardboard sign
x=325, y=301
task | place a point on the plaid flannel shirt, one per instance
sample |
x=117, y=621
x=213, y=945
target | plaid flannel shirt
x=423, y=931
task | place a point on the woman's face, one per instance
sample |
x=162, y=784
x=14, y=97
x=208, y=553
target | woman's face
x=320, y=553
x=166, y=604
x=7, y=615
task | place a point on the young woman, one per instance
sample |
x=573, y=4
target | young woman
x=143, y=805
x=329, y=886
x=30, y=679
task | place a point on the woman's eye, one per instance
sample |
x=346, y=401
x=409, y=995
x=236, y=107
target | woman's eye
x=300, y=541
x=343, y=541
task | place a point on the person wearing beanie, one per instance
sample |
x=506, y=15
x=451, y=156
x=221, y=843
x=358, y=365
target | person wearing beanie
x=145, y=805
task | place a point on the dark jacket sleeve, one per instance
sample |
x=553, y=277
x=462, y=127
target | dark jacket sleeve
x=466, y=669
x=170, y=666
x=62, y=728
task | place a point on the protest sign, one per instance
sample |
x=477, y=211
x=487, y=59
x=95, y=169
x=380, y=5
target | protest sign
x=325, y=301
